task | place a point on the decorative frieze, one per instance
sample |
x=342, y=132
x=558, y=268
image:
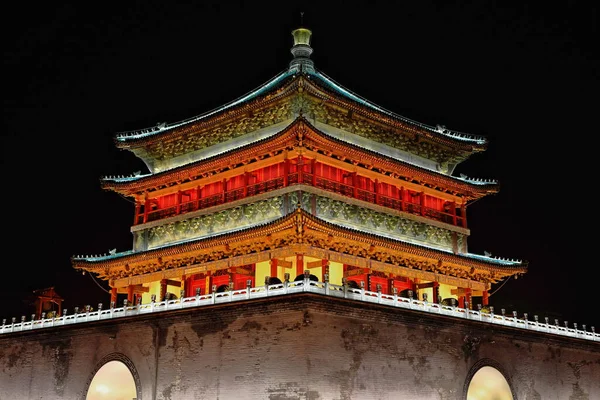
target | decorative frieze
x=236, y=218
x=296, y=232
x=313, y=108
x=194, y=141
x=357, y=217
x=302, y=198
x=320, y=111
x=340, y=250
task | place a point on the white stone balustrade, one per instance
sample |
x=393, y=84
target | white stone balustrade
x=306, y=285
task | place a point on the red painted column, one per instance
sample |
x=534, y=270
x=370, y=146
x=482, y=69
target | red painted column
x=453, y=210
x=402, y=205
x=299, y=264
x=136, y=213
x=355, y=184
x=486, y=298
x=299, y=167
x=163, y=289
x=376, y=190
x=469, y=297
x=130, y=294
x=246, y=179
x=146, y=208
x=113, y=295
x=286, y=171
x=178, y=207
x=436, y=292
x=313, y=168
x=422, y=202
x=224, y=186
x=463, y=213
x=198, y=197
x=461, y=301
x=274, y=268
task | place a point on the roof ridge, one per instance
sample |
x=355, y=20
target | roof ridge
x=163, y=126
x=461, y=177
x=441, y=129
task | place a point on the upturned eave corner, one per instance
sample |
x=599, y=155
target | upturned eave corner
x=300, y=136
x=327, y=105
x=299, y=228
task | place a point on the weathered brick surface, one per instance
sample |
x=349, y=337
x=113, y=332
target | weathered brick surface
x=296, y=347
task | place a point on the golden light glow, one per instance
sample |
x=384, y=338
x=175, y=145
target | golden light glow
x=301, y=36
x=102, y=388
x=112, y=382
x=489, y=384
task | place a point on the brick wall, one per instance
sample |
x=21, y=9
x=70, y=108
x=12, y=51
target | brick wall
x=302, y=346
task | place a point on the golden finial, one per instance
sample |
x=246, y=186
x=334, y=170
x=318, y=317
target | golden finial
x=301, y=49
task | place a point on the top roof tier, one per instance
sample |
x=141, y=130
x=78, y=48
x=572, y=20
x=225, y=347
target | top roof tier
x=300, y=90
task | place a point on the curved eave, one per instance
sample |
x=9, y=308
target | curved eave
x=452, y=138
x=143, y=137
x=471, y=188
x=300, y=221
x=494, y=264
x=135, y=184
x=282, y=84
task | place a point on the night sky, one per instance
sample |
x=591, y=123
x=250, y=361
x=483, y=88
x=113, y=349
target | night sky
x=524, y=76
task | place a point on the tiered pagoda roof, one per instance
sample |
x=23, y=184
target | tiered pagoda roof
x=302, y=111
x=300, y=90
x=292, y=83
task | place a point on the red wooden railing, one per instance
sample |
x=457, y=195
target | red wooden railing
x=306, y=178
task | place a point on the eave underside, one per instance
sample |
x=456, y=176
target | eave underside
x=301, y=138
x=299, y=233
x=307, y=97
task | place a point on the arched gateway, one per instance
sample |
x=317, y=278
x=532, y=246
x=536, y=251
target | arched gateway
x=114, y=378
x=486, y=381
x=298, y=178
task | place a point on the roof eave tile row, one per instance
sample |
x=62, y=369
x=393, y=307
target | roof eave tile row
x=290, y=84
x=293, y=222
x=280, y=142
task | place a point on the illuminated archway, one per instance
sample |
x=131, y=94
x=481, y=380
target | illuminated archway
x=486, y=381
x=114, y=378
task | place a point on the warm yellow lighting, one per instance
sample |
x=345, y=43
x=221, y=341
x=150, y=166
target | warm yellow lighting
x=113, y=381
x=488, y=383
x=102, y=388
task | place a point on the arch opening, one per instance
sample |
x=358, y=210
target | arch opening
x=489, y=384
x=222, y=289
x=274, y=280
x=112, y=381
x=312, y=277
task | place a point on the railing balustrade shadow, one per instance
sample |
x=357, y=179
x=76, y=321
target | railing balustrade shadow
x=305, y=285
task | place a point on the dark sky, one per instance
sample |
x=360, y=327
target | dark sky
x=525, y=76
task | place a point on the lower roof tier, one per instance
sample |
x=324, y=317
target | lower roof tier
x=301, y=233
